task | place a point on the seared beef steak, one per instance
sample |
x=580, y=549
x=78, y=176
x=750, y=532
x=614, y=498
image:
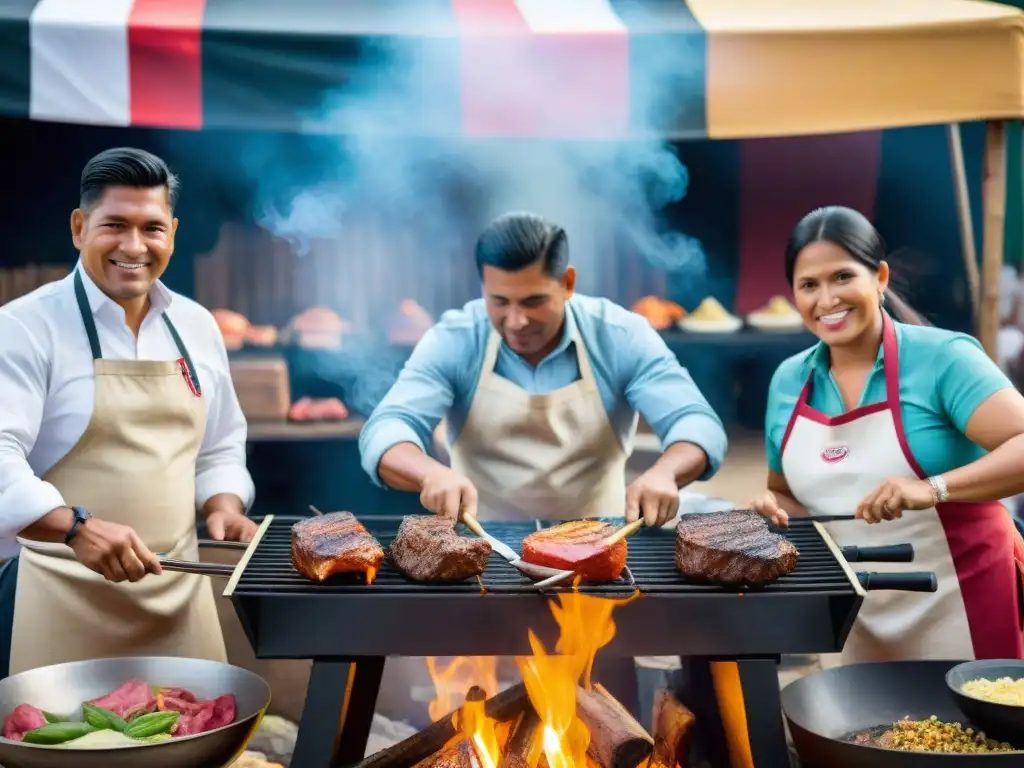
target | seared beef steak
x=429, y=549
x=577, y=546
x=732, y=547
x=335, y=543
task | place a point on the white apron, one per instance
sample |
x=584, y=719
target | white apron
x=134, y=465
x=832, y=463
x=548, y=456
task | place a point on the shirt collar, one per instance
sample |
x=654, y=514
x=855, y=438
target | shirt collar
x=159, y=296
x=820, y=360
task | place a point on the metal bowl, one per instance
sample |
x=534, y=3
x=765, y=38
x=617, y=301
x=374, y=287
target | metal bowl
x=62, y=688
x=999, y=721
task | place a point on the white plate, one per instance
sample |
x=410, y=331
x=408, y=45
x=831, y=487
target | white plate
x=729, y=325
x=774, y=323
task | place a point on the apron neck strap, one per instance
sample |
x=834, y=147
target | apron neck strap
x=890, y=361
x=94, y=339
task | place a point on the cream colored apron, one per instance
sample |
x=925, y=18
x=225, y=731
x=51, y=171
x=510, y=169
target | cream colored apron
x=531, y=456
x=134, y=465
x=549, y=456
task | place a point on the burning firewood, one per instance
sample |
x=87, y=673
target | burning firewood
x=673, y=727
x=617, y=740
x=524, y=747
x=507, y=705
x=458, y=755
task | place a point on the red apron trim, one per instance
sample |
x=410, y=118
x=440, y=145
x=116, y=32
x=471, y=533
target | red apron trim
x=188, y=377
x=165, y=63
x=983, y=543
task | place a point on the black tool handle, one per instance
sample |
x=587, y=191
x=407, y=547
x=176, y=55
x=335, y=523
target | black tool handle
x=894, y=553
x=919, y=581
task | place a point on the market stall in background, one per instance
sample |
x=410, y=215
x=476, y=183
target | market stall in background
x=321, y=287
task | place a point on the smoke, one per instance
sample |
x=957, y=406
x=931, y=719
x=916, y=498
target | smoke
x=398, y=153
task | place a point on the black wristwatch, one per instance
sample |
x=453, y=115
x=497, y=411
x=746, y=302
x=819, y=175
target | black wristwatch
x=81, y=515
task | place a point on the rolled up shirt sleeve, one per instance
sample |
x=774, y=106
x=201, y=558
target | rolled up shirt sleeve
x=220, y=466
x=416, y=403
x=666, y=396
x=24, y=371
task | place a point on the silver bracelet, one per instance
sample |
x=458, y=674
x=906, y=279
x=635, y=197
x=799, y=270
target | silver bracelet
x=938, y=485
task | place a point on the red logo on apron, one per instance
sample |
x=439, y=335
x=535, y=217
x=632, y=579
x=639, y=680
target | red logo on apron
x=835, y=454
x=188, y=377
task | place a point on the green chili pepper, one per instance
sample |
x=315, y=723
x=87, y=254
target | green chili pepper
x=52, y=718
x=103, y=719
x=58, y=733
x=152, y=724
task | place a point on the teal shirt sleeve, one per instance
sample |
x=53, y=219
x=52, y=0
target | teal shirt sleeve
x=965, y=377
x=783, y=392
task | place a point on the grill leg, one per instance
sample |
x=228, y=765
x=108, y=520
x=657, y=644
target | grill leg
x=708, y=688
x=338, y=712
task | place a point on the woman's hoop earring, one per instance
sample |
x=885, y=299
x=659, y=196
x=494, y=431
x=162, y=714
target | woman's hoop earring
x=881, y=299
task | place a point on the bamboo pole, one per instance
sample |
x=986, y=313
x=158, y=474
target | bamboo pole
x=968, y=249
x=994, y=219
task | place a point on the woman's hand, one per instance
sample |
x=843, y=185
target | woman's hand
x=767, y=505
x=894, y=496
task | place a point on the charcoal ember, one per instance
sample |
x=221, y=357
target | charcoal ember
x=429, y=549
x=732, y=547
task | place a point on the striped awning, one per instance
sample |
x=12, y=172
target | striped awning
x=513, y=68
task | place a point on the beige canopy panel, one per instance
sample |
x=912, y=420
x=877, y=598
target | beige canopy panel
x=796, y=67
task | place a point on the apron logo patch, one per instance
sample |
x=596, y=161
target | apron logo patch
x=835, y=454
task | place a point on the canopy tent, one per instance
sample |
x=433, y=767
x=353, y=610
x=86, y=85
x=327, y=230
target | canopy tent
x=526, y=68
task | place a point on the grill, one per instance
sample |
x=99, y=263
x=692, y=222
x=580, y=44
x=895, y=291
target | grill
x=289, y=617
x=347, y=628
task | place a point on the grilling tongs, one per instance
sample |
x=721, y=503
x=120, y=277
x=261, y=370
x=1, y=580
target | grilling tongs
x=542, y=575
x=204, y=569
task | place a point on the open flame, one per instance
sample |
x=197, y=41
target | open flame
x=551, y=679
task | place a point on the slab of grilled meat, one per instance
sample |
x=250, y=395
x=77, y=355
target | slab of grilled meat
x=578, y=546
x=427, y=548
x=334, y=543
x=732, y=547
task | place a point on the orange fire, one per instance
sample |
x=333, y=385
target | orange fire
x=551, y=680
x=371, y=574
x=452, y=682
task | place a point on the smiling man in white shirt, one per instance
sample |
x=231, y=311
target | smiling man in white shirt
x=118, y=420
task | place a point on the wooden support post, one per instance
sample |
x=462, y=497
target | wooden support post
x=994, y=219
x=968, y=249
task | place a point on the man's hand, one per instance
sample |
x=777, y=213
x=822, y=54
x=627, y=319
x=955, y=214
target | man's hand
x=226, y=520
x=894, y=496
x=654, y=495
x=447, y=493
x=114, y=551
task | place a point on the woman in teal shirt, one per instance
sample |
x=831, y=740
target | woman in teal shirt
x=906, y=425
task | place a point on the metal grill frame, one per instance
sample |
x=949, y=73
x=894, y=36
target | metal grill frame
x=349, y=631
x=319, y=621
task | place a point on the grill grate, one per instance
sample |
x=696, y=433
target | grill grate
x=650, y=561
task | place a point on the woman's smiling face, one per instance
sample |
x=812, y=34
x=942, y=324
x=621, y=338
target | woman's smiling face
x=837, y=296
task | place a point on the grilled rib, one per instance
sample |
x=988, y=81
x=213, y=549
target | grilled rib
x=578, y=546
x=334, y=543
x=732, y=547
x=429, y=549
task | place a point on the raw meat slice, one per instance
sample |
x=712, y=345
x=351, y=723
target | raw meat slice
x=23, y=719
x=578, y=546
x=132, y=696
x=732, y=547
x=429, y=549
x=335, y=543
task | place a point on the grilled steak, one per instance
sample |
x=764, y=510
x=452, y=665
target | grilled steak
x=335, y=543
x=429, y=549
x=576, y=546
x=732, y=547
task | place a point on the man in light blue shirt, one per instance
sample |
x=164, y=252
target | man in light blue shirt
x=540, y=390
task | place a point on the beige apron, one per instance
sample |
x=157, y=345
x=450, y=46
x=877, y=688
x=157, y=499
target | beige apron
x=134, y=465
x=547, y=456
x=530, y=456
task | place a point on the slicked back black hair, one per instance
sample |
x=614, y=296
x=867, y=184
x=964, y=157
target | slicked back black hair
x=125, y=167
x=514, y=241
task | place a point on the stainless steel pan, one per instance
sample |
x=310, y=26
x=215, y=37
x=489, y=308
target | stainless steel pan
x=62, y=688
